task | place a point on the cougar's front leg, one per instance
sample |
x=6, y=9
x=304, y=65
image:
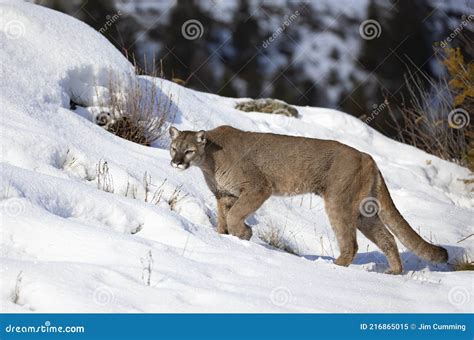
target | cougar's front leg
x=250, y=199
x=223, y=206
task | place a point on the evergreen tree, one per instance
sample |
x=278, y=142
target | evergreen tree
x=245, y=38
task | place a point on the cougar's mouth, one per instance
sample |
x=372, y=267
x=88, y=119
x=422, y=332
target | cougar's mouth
x=181, y=166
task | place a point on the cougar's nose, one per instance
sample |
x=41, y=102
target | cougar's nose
x=179, y=164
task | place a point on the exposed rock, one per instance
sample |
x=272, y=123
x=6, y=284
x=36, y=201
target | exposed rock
x=268, y=105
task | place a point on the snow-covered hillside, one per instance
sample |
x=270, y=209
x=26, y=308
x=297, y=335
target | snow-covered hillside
x=67, y=246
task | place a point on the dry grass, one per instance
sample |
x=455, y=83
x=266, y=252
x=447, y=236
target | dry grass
x=147, y=268
x=424, y=123
x=273, y=237
x=464, y=263
x=137, y=109
x=69, y=160
x=176, y=196
x=153, y=194
x=17, y=291
x=104, y=178
x=423, y=118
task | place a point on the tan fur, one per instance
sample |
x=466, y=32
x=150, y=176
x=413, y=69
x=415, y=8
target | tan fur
x=243, y=169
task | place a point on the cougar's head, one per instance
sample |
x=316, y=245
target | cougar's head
x=187, y=147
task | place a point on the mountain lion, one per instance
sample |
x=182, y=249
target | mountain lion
x=243, y=169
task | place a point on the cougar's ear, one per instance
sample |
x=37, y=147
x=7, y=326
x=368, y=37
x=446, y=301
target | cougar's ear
x=201, y=137
x=174, y=132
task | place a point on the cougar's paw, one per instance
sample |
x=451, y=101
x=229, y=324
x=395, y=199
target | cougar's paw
x=342, y=262
x=222, y=229
x=241, y=230
x=247, y=234
x=393, y=271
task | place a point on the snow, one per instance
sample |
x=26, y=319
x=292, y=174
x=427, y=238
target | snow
x=67, y=246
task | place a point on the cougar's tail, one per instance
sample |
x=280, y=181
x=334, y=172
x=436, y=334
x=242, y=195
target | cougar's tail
x=391, y=217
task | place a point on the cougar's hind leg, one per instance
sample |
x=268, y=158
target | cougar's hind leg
x=344, y=225
x=375, y=231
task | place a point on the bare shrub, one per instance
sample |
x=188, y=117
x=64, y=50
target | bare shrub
x=426, y=115
x=136, y=109
x=176, y=196
x=147, y=185
x=152, y=196
x=153, y=193
x=17, y=290
x=147, y=268
x=323, y=248
x=158, y=194
x=273, y=237
x=131, y=190
x=104, y=179
x=69, y=160
x=137, y=229
x=463, y=263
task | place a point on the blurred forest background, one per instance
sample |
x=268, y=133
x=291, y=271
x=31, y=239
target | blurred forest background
x=403, y=74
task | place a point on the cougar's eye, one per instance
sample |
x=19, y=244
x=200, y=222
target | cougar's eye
x=173, y=149
x=190, y=152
